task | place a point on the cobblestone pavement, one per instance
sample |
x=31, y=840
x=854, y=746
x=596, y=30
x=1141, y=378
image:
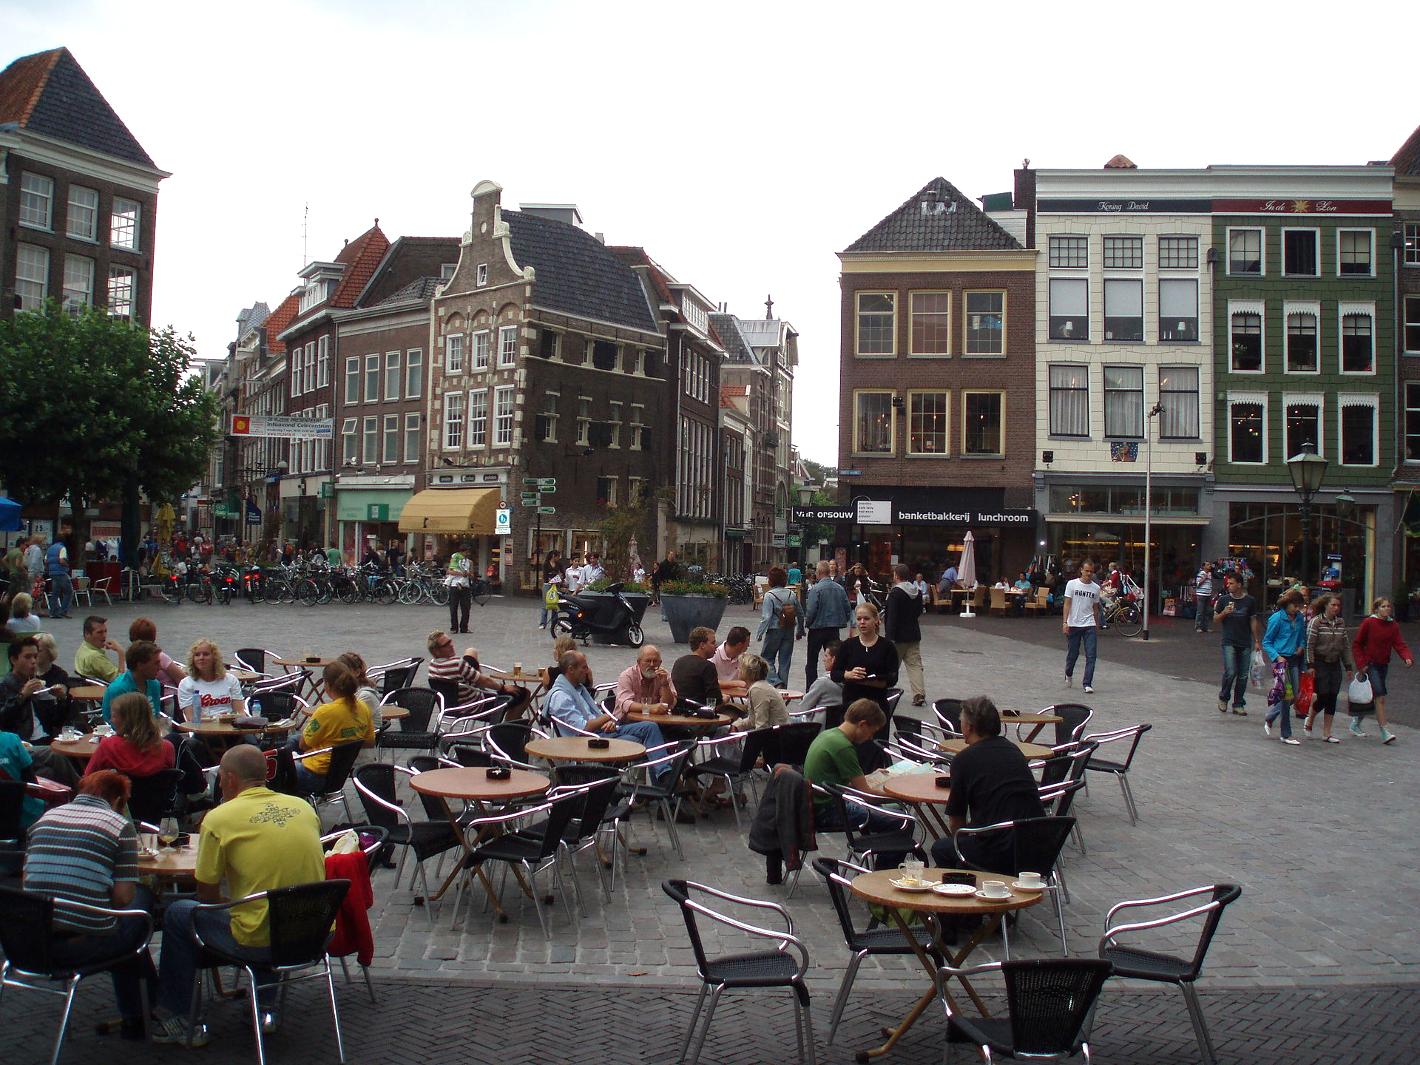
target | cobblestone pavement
x=1317, y=835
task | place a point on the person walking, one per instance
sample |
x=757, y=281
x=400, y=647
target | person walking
x=1080, y=623
x=1236, y=612
x=780, y=622
x=460, y=598
x=1376, y=639
x=903, y=608
x=825, y=613
x=1203, y=599
x=1328, y=651
x=1285, y=644
x=551, y=579
x=56, y=565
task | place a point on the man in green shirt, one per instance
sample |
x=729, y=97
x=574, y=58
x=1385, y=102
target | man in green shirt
x=91, y=659
x=833, y=759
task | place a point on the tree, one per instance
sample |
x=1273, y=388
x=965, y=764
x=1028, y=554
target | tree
x=620, y=526
x=98, y=408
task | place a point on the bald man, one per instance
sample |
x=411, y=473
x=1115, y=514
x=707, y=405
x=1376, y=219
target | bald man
x=644, y=687
x=257, y=840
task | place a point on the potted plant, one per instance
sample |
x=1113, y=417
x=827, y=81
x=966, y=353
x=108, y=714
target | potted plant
x=635, y=594
x=691, y=604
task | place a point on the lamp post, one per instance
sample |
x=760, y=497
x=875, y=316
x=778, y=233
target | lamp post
x=1155, y=412
x=806, y=498
x=1307, y=469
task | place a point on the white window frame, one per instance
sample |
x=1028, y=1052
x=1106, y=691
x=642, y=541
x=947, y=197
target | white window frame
x=912, y=313
x=946, y=394
x=966, y=295
x=39, y=190
x=1371, y=238
x=413, y=373
x=1405, y=434
x=891, y=451
x=638, y=422
x=1352, y=399
x=125, y=224
x=1305, y=399
x=1228, y=250
x=349, y=442
x=615, y=424
x=507, y=346
x=32, y=274
x=79, y=210
x=453, y=421
x=352, y=373
x=453, y=353
x=370, y=451
x=372, y=377
x=1259, y=308
x=325, y=449
x=1365, y=310
x=478, y=359
x=122, y=291
x=1141, y=392
x=584, y=421
x=310, y=377
x=1316, y=237
x=412, y=431
x=504, y=415
x=965, y=394
x=549, y=415
x=1410, y=320
x=323, y=361
x=78, y=291
x=478, y=418
x=1050, y=427
x=1255, y=398
x=481, y=275
x=389, y=455
x=1410, y=253
x=293, y=364
x=1290, y=308
x=1197, y=399
x=394, y=375
x=611, y=479
x=858, y=312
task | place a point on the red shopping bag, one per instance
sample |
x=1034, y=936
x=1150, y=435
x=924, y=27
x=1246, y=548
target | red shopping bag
x=1306, y=694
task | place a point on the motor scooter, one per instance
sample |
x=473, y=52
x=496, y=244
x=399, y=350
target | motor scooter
x=607, y=614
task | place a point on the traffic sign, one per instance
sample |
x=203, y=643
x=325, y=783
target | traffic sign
x=547, y=510
x=547, y=489
x=531, y=500
x=531, y=482
x=504, y=524
x=547, y=482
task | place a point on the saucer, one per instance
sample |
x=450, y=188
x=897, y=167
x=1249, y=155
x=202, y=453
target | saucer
x=1019, y=886
x=980, y=894
x=957, y=890
x=912, y=885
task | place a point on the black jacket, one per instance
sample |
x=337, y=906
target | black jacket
x=784, y=823
x=16, y=711
x=903, y=610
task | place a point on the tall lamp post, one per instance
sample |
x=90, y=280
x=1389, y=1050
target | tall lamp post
x=1307, y=469
x=806, y=498
x=1156, y=411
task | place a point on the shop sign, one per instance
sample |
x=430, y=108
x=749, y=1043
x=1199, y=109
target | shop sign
x=377, y=512
x=885, y=512
x=253, y=513
x=874, y=511
x=794, y=540
x=778, y=540
x=282, y=426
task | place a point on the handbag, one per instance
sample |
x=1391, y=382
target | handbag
x=1306, y=694
x=1360, y=696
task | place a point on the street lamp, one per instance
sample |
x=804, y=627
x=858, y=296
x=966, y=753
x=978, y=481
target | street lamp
x=1307, y=469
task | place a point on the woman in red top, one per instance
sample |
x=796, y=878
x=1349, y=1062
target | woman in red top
x=136, y=749
x=1377, y=637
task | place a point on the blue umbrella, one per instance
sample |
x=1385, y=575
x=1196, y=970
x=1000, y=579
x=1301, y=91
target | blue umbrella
x=9, y=515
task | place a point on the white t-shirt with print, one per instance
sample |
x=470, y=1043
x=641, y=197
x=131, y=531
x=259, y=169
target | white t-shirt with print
x=217, y=695
x=1082, y=598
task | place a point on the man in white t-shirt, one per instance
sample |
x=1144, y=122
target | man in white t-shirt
x=1081, y=624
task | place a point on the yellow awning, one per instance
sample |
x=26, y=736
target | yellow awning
x=452, y=510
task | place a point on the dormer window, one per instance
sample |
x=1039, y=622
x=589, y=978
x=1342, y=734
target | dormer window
x=694, y=313
x=315, y=294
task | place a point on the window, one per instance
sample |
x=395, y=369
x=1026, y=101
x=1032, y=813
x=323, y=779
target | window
x=453, y=353
x=635, y=489
x=638, y=426
x=1178, y=396
x=1245, y=252
x=1123, y=253
x=931, y=323
x=1302, y=417
x=508, y=345
x=1069, y=309
x=294, y=362
x=1178, y=309
x=1123, y=310
x=323, y=362
x=1412, y=421
x=1070, y=400
x=391, y=452
x=503, y=416
x=82, y=221
x=927, y=423
x=1299, y=253
x=584, y=420
x=393, y=375
x=78, y=283
x=604, y=355
x=36, y=201
x=985, y=323
x=877, y=323
x=121, y=284
x=123, y=223
x=1178, y=253
x=1354, y=256
x=1247, y=429
x=1301, y=343
x=372, y=378
x=1245, y=341
x=412, y=438
x=1358, y=430
x=310, y=377
x=614, y=425
x=547, y=418
x=352, y=379
x=549, y=343
x=1412, y=244
x=413, y=373
x=873, y=423
x=453, y=421
x=478, y=418
x=482, y=274
x=372, y=440
x=606, y=491
x=1411, y=324
x=32, y=276
x=1358, y=350
x=482, y=343
x=349, y=443
x=1069, y=253
x=983, y=423
x=1124, y=401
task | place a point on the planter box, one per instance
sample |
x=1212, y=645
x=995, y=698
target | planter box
x=686, y=612
x=638, y=601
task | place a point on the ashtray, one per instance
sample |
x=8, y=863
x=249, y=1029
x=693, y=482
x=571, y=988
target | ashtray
x=312, y=659
x=944, y=782
x=499, y=772
x=706, y=714
x=598, y=744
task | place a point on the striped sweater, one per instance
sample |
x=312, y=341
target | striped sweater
x=79, y=851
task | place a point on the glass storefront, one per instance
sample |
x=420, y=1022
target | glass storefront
x=1174, y=556
x=1269, y=536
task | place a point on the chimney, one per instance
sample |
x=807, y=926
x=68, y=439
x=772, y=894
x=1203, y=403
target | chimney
x=1023, y=199
x=601, y=237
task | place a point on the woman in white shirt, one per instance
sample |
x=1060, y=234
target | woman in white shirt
x=208, y=678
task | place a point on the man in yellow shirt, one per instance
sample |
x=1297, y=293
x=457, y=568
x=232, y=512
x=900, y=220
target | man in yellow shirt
x=342, y=720
x=91, y=659
x=257, y=840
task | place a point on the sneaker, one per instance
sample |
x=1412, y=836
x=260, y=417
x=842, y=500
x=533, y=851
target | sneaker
x=1307, y=731
x=1222, y=706
x=1387, y=736
x=1357, y=730
x=1267, y=726
x=1069, y=681
x=1290, y=742
x=1240, y=711
x=175, y=1030
x=1332, y=739
x=1088, y=689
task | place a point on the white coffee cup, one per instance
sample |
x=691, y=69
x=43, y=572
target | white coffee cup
x=1032, y=880
x=997, y=889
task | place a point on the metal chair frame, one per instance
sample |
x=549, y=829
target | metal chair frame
x=1120, y=770
x=369, y=850
x=1054, y=879
x=370, y=798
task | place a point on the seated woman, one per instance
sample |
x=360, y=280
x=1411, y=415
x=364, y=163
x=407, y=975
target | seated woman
x=342, y=720
x=170, y=671
x=64, y=710
x=766, y=704
x=135, y=749
x=365, y=691
x=208, y=682
x=22, y=619
x=16, y=764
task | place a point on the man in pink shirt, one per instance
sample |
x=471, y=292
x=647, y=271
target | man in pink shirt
x=727, y=661
x=645, y=687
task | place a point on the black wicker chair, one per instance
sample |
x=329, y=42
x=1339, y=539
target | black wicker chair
x=1074, y=718
x=155, y=797
x=414, y=732
x=1036, y=846
x=789, y=744
x=1120, y=769
x=375, y=782
x=1050, y=1006
x=342, y=761
x=733, y=768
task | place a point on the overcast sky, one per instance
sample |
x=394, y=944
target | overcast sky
x=742, y=144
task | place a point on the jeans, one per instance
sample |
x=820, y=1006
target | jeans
x=61, y=594
x=778, y=651
x=460, y=600
x=869, y=822
x=1203, y=612
x=128, y=935
x=818, y=638
x=542, y=619
x=178, y=965
x=992, y=851
x=1283, y=710
x=1087, y=635
x=648, y=735
x=1235, y=669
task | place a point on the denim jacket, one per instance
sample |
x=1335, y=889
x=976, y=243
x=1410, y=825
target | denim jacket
x=827, y=606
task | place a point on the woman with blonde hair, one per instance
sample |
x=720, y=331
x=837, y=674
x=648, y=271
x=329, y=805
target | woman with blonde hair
x=135, y=749
x=365, y=691
x=208, y=681
x=766, y=704
x=21, y=618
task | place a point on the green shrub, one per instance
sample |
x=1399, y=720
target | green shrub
x=718, y=591
x=603, y=583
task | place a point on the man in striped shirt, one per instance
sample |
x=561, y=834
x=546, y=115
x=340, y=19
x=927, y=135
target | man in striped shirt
x=87, y=852
x=444, y=664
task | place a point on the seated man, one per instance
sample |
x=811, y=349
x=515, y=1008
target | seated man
x=22, y=694
x=571, y=702
x=445, y=665
x=645, y=686
x=91, y=659
x=833, y=759
x=727, y=664
x=991, y=783
x=256, y=840
x=947, y=583
x=144, y=660
x=694, y=677
x=86, y=851
x=344, y=719
x=825, y=691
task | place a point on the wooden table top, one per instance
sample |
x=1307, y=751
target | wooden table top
x=515, y=677
x=877, y=888
x=1030, y=718
x=179, y=864
x=83, y=748
x=681, y=720
x=319, y=663
x=790, y=694
x=575, y=749
x=91, y=692
x=1030, y=750
x=226, y=728
x=473, y=784
x=393, y=713
x=246, y=676
x=916, y=787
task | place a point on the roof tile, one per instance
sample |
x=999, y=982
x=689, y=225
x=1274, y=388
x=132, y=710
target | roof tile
x=1407, y=160
x=278, y=320
x=936, y=218
x=576, y=273
x=361, y=257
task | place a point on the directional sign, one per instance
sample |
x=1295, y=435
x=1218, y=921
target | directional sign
x=531, y=500
x=547, y=510
x=531, y=482
x=547, y=489
x=547, y=482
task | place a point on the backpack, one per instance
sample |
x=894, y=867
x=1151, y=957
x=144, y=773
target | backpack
x=788, y=613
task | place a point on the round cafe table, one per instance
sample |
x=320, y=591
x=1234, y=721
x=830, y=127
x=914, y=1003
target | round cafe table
x=679, y=720
x=1030, y=750
x=177, y=864
x=920, y=789
x=575, y=749
x=1038, y=718
x=876, y=888
x=304, y=663
x=390, y=712
x=81, y=750
x=91, y=693
x=226, y=728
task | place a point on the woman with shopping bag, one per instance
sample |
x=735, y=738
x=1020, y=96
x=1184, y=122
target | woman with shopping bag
x=1285, y=646
x=1328, y=651
x=1376, y=639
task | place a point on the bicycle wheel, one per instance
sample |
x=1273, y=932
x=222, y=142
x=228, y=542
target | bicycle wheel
x=1129, y=621
x=479, y=592
x=438, y=592
x=199, y=592
x=327, y=590
x=348, y=592
x=410, y=592
x=171, y=593
x=307, y=592
x=384, y=593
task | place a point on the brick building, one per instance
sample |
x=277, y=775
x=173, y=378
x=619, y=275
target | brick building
x=250, y=496
x=78, y=194
x=937, y=389
x=1406, y=252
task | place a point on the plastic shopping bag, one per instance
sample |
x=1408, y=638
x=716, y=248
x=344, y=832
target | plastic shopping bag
x=1360, y=696
x=1259, y=676
x=1306, y=694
